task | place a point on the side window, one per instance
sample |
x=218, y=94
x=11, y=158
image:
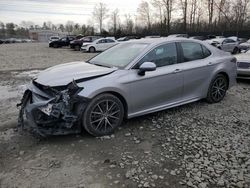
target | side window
x=231, y=41
x=87, y=39
x=110, y=40
x=101, y=41
x=206, y=52
x=162, y=55
x=226, y=41
x=191, y=51
x=64, y=39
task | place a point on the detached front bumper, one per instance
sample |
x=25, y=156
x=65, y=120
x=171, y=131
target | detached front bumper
x=51, y=112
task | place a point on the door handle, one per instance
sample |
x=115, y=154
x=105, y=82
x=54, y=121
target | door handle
x=176, y=71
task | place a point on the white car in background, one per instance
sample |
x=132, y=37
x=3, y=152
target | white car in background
x=52, y=38
x=99, y=45
x=245, y=45
x=243, y=65
x=225, y=44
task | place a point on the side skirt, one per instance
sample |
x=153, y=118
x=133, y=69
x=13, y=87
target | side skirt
x=162, y=107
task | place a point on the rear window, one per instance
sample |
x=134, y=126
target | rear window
x=194, y=51
x=206, y=52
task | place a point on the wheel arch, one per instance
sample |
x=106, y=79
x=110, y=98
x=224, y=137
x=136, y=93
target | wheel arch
x=222, y=72
x=91, y=47
x=120, y=97
x=226, y=76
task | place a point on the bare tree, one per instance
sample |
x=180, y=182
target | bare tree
x=184, y=7
x=168, y=4
x=193, y=12
x=240, y=12
x=100, y=14
x=69, y=26
x=145, y=13
x=159, y=9
x=129, y=24
x=115, y=20
x=210, y=5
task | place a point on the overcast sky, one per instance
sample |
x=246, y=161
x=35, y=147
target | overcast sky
x=59, y=11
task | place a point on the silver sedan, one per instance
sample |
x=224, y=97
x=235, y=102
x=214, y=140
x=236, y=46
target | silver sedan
x=243, y=65
x=128, y=80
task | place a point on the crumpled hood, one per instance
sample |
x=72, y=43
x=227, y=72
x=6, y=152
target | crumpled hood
x=63, y=74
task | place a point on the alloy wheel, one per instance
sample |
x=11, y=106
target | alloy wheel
x=219, y=88
x=105, y=115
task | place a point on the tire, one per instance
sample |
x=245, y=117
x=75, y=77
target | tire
x=55, y=45
x=92, y=49
x=103, y=115
x=236, y=50
x=77, y=48
x=217, y=89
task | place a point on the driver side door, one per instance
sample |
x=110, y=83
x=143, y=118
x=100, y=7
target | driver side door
x=101, y=44
x=228, y=45
x=158, y=89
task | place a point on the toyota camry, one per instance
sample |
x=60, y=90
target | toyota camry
x=128, y=80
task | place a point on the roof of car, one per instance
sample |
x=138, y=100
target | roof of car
x=160, y=40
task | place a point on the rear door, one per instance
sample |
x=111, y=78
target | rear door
x=197, y=68
x=228, y=45
x=109, y=43
x=100, y=45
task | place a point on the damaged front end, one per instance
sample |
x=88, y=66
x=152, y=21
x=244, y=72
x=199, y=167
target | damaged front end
x=52, y=110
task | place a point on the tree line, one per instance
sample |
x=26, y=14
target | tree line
x=156, y=17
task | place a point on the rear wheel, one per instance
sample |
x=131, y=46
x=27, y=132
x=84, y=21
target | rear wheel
x=236, y=50
x=92, y=49
x=103, y=115
x=217, y=89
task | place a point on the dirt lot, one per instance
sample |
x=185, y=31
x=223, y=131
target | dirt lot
x=196, y=145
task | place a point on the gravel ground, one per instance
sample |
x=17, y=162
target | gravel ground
x=27, y=56
x=197, y=145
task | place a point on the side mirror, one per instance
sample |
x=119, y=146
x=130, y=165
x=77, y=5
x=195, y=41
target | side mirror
x=146, y=66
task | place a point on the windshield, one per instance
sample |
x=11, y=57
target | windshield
x=119, y=55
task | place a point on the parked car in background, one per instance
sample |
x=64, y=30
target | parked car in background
x=121, y=39
x=65, y=41
x=52, y=38
x=152, y=36
x=130, y=79
x=242, y=40
x=199, y=37
x=225, y=44
x=77, y=43
x=245, y=45
x=98, y=45
x=1, y=41
x=178, y=35
x=243, y=65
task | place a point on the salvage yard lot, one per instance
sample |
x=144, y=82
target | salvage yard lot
x=196, y=145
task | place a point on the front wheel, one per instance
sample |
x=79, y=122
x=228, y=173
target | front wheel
x=91, y=49
x=103, y=115
x=217, y=89
x=236, y=50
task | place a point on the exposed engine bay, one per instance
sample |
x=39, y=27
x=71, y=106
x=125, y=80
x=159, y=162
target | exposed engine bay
x=52, y=110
